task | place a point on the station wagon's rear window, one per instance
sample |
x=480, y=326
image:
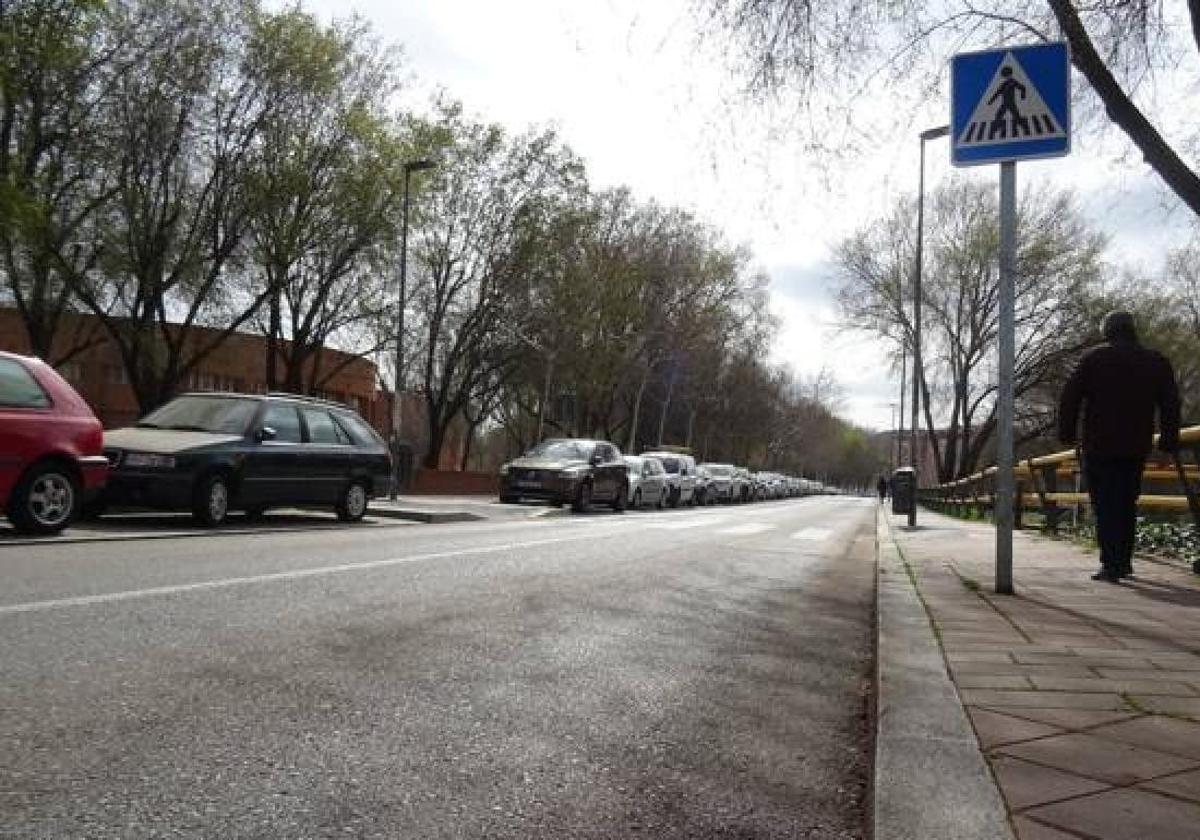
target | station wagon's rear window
x=198, y=413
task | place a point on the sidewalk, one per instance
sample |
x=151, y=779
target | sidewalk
x=1084, y=696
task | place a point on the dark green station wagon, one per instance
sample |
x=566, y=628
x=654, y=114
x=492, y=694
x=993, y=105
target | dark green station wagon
x=213, y=453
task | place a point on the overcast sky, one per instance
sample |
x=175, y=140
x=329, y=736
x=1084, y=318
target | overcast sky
x=632, y=91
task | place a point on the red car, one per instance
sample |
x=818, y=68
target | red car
x=51, y=447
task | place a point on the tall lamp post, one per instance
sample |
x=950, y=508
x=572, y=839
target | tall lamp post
x=397, y=410
x=903, y=394
x=918, y=373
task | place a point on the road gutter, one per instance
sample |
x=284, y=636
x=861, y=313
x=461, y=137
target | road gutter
x=931, y=782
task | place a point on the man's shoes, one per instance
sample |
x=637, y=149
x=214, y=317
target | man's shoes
x=1126, y=573
x=1106, y=577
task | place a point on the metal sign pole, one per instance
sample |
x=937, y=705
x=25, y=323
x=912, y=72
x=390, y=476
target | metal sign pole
x=1005, y=411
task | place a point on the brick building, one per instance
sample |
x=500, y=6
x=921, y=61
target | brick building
x=238, y=364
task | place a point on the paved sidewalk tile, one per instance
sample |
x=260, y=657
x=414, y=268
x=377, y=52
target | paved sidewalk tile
x=1073, y=719
x=994, y=729
x=1084, y=696
x=1097, y=758
x=1125, y=814
x=1182, y=785
x=1026, y=784
x=1168, y=735
x=1027, y=829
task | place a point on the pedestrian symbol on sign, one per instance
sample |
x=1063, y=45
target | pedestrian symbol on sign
x=1010, y=111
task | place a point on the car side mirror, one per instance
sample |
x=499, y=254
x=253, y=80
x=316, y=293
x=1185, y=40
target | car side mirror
x=265, y=433
x=596, y=460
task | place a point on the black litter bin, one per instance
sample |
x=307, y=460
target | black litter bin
x=904, y=491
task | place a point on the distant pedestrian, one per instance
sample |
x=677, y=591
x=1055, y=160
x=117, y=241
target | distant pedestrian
x=882, y=487
x=1119, y=385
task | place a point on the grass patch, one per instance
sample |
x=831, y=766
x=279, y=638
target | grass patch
x=1131, y=701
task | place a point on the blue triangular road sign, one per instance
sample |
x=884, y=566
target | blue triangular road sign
x=1010, y=104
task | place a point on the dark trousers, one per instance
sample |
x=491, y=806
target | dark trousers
x=1114, y=485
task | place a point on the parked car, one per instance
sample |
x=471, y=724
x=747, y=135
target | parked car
x=723, y=486
x=51, y=457
x=681, y=476
x=743, y=484
x=647, y=482
x=212, y=453
x=568, y=471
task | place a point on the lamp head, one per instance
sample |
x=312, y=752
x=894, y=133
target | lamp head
x=419, y=165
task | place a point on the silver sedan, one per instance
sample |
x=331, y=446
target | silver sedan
x=647, y=482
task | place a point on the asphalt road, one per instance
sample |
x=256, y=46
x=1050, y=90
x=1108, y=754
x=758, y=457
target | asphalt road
x=678, y=674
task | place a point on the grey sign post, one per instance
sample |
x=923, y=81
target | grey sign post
x=1006, y=105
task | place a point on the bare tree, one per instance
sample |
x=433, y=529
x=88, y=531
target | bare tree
x=1058, y=261
x=325, y=182
x=180, y=128
x=54, y=57
x=467, y=232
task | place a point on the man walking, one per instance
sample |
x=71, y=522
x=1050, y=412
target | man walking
x=1119, y=385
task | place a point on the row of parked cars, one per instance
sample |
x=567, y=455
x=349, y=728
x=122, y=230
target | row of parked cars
x=205, y=453
x=581, y=473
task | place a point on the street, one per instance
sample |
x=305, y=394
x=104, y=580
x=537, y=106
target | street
x=692, y=673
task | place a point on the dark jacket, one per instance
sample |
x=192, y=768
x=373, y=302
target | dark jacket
x=1119, y=385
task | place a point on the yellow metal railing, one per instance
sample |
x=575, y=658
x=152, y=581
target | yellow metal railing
x=1052, y=484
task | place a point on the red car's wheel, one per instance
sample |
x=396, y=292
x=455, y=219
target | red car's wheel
x=45, y=501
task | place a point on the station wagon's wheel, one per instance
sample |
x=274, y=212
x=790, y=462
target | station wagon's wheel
x=622, y=500
x=210, y=503
x=583, y=500
x=353, y=505
x=45, y=501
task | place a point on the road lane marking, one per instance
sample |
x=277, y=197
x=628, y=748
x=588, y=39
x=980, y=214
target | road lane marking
x=747, y=529
x=687, y=523
x=814, y=534
x=294, y=574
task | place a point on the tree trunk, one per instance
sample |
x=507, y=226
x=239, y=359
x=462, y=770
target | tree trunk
x=662, y=418
x=637, y=409
x=467, y=441
x=274, y=332
x=1122, y=110
x=437, y=440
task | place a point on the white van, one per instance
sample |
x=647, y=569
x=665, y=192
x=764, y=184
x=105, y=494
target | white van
x=681, y=476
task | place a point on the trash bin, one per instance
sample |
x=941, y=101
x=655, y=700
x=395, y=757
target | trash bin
x=904, y=491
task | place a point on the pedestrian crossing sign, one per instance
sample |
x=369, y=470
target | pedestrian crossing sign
x=1008, y=104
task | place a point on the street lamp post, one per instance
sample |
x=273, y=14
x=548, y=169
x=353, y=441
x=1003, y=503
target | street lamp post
x=903, y=395
x=397, y=409
x=918, y=374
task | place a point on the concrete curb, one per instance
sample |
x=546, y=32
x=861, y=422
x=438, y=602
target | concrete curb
x=429, y=517
x=931, y=780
